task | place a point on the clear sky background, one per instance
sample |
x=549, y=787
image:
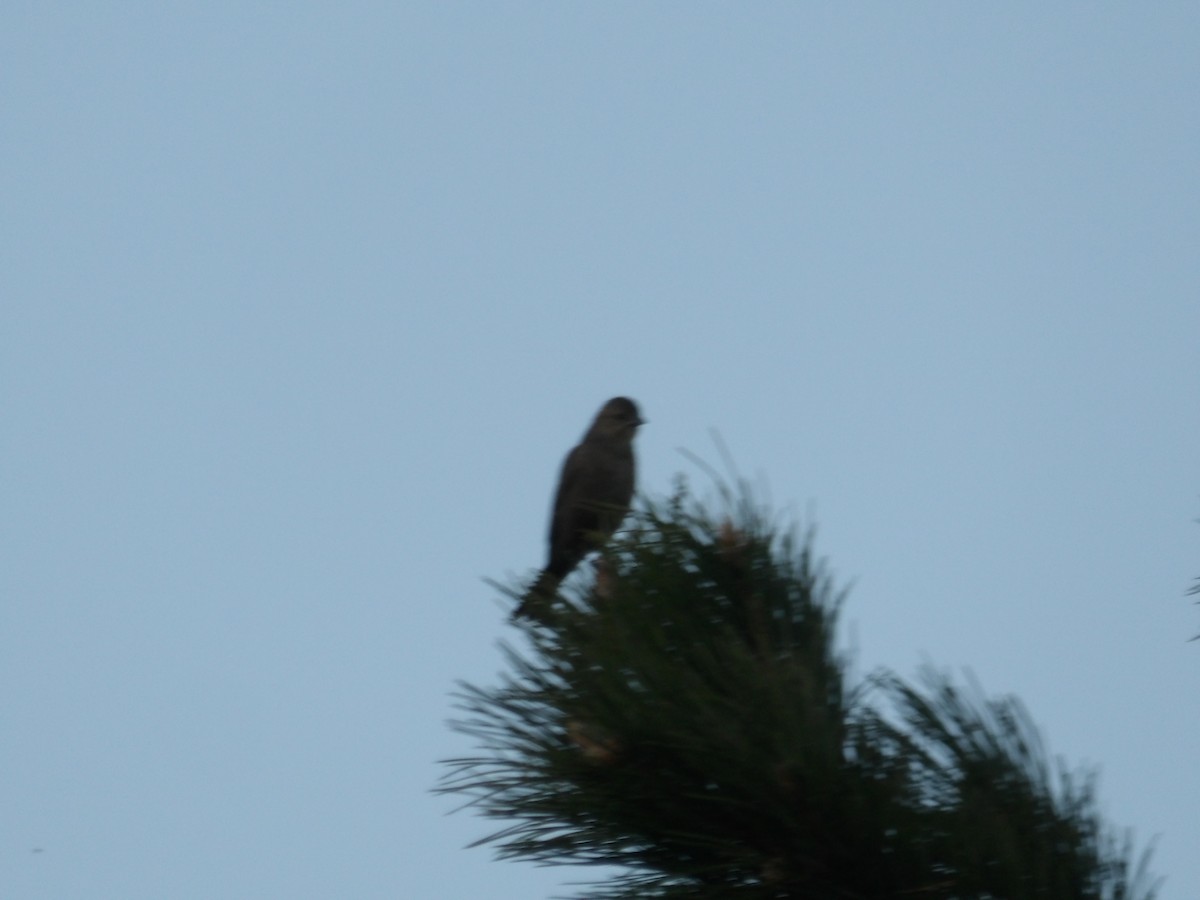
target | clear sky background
x=301, y=306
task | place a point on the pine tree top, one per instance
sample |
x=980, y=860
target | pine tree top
x=686, y=718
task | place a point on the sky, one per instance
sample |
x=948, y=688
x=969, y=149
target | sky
x=301, y=306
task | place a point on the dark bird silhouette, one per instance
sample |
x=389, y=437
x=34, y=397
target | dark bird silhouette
x=594, y=491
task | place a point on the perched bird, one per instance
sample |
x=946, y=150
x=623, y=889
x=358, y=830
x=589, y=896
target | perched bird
x=594, y=491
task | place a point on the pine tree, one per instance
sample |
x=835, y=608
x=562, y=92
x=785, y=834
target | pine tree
x=1195, y=589
x=687, y=719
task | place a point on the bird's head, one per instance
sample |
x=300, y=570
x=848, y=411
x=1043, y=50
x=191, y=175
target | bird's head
x=618, y=418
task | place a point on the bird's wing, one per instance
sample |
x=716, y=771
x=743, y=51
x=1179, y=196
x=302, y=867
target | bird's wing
x=572, y=477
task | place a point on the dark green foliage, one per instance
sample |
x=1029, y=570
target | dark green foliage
x=688, y=720
x=1195, y=589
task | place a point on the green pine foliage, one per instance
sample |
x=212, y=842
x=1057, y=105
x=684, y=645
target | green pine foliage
x=687, y=719
x=1195, y=589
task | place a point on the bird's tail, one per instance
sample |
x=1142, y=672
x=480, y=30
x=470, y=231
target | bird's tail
x=536, y=602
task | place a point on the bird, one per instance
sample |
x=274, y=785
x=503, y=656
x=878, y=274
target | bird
x=595, y=488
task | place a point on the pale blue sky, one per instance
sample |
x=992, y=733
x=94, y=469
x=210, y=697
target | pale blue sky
x=303, y=304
